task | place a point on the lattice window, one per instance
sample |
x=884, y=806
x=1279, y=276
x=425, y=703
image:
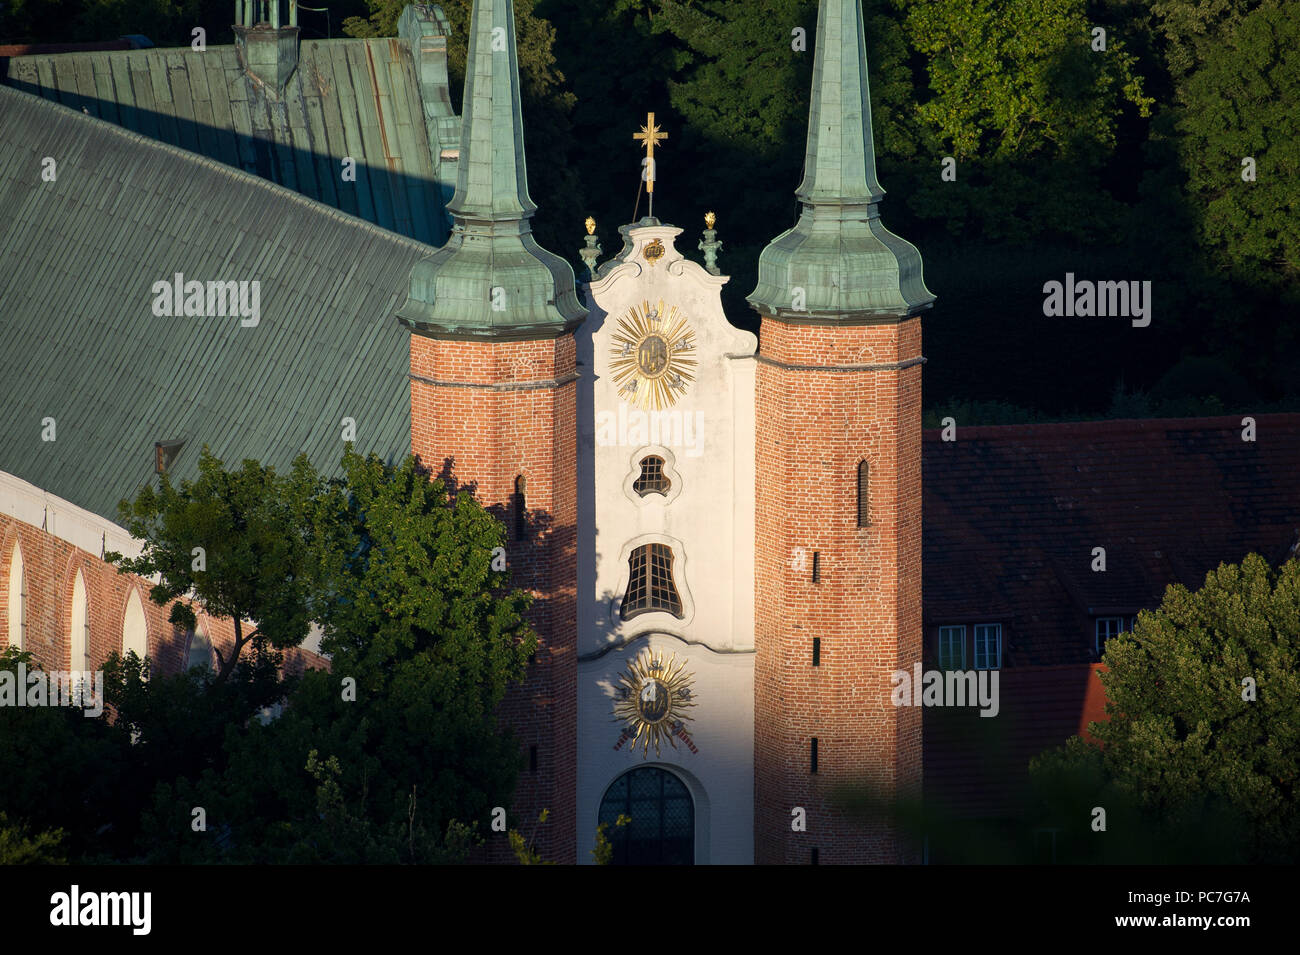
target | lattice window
x=653, y=480
x=650, y=584
x=662, y=813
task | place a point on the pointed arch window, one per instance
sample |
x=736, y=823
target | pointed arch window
x=199, y=652
x=652, y=480
x=650, y=585
x=864, y=497
x=17, y=600
x=135, y=632
x=79, y=627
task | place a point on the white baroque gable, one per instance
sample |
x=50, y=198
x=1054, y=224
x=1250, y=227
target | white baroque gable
x=701, y=428
x=697, y=417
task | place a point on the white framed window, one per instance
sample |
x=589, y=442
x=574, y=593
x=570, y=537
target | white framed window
x=17, y=600
x=1107, y=627
x=988, y=646
x=952, y=648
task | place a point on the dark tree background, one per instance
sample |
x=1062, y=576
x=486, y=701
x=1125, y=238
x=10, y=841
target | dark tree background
x=1117, y=164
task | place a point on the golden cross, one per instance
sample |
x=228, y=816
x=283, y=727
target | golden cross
x=650, y=135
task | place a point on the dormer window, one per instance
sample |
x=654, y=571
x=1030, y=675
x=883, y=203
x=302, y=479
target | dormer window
x=164, y=453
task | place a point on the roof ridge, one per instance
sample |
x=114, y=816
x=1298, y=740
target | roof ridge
x=1118, y=425
x=231, y=172
x=92, y=47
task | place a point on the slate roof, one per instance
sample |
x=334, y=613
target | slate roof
x=78, y=259
x=370, y=99
x=1013, y=513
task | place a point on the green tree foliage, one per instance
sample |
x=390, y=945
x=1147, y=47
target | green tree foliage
x=384, y=757
x=1020, y=80
x=1029, y=110
x=20, y=847
x=603, y=853
x=1240, y=101
x=61, y=770
x=1193, y=28
x=244, y=543
x=1186, y=750
x=390, y=756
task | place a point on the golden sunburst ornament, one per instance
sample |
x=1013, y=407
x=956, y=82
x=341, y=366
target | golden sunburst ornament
x=652, y=356
x=652, y=701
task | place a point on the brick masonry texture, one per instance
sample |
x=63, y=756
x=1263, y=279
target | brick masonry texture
x=814, y=427
x=482, y=439
x=50, y=565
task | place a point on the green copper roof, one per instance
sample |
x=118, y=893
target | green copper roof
x=79, y=257
x=382, y=102
x=492, y=279
x=839, y=263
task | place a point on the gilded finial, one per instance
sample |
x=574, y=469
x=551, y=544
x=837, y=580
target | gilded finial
x=591, y=225
x=709, y=219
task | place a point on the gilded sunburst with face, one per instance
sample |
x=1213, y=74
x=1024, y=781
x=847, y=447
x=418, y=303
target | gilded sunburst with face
x=653, y=355
x=653, y=700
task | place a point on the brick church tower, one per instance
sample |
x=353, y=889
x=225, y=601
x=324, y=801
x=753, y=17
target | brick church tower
x=493, y=406
x=838, y=474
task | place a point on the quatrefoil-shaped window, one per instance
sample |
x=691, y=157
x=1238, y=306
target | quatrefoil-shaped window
x=653, y=480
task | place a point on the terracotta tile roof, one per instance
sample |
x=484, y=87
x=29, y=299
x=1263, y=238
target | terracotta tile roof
x=1013, y=513
x=1011, y=517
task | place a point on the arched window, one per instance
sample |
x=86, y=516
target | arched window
x=17, y=600
x=662, y=830
x=79, y=627
x=653, y=480
x=520, y=508
x=135, y=632
x=650, y=584
x=199, y=653
x=864, y=500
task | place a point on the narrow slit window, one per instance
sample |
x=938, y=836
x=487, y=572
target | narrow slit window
x=521, y=509
x=817, y=567
x=532, y=759
x=864, y=500
x=813, y=760
x=817, y=651
x=814, y=855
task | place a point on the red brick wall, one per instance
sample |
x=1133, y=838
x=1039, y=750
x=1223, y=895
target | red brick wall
x=51, y=566
x=485, y=437
x=813, y=428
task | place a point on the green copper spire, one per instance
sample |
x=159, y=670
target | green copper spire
x=492, y=280
x=839, y=264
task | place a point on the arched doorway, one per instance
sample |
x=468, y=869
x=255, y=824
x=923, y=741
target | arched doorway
x=662, y=831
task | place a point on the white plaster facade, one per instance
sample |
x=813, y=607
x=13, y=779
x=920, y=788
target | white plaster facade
x=706, y=518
